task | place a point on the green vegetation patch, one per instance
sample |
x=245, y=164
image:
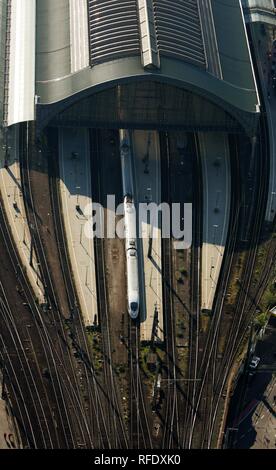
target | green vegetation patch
x=95, y=342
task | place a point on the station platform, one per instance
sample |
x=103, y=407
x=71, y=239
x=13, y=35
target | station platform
x=147, y=178
x=76, y=196
x=11, y=191
x=215, y=158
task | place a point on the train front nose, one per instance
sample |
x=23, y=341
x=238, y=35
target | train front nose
x=134, y=309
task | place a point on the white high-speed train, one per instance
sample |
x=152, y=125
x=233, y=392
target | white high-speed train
x=131, y=257
x=130, y=227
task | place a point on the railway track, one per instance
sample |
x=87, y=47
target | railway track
x=62, y=342
x=35, y=400
x=171, y=431
x=116, y=424
x=171, y=437
x=139, y=430
x=134, y=414
x=215, y=333
x=245, y=312
x=32, y=317
x=240, y=320
x=207, y=378
x=194, y=330
x=207, y=367
x=139, y=426
x=77, y=330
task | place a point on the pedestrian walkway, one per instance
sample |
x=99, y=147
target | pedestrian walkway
x=8, y=435
x=76, y=198
x=147, y=177
x=12, y=197
x=216, y=172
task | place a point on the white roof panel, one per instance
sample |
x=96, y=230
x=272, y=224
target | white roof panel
x=79, y=35
x=22, y=62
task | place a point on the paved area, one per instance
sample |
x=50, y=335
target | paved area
x=263, y=45
x=75, y=190
x=215, y=159
x=8, y=436
x=257, y=422
x=147, y=185
x=11, y=191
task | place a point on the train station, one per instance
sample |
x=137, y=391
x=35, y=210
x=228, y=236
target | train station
x=148, y=102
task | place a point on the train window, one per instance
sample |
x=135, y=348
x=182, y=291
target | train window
x=134, y=306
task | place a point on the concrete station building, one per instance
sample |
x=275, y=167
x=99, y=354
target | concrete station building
x=61, y=59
